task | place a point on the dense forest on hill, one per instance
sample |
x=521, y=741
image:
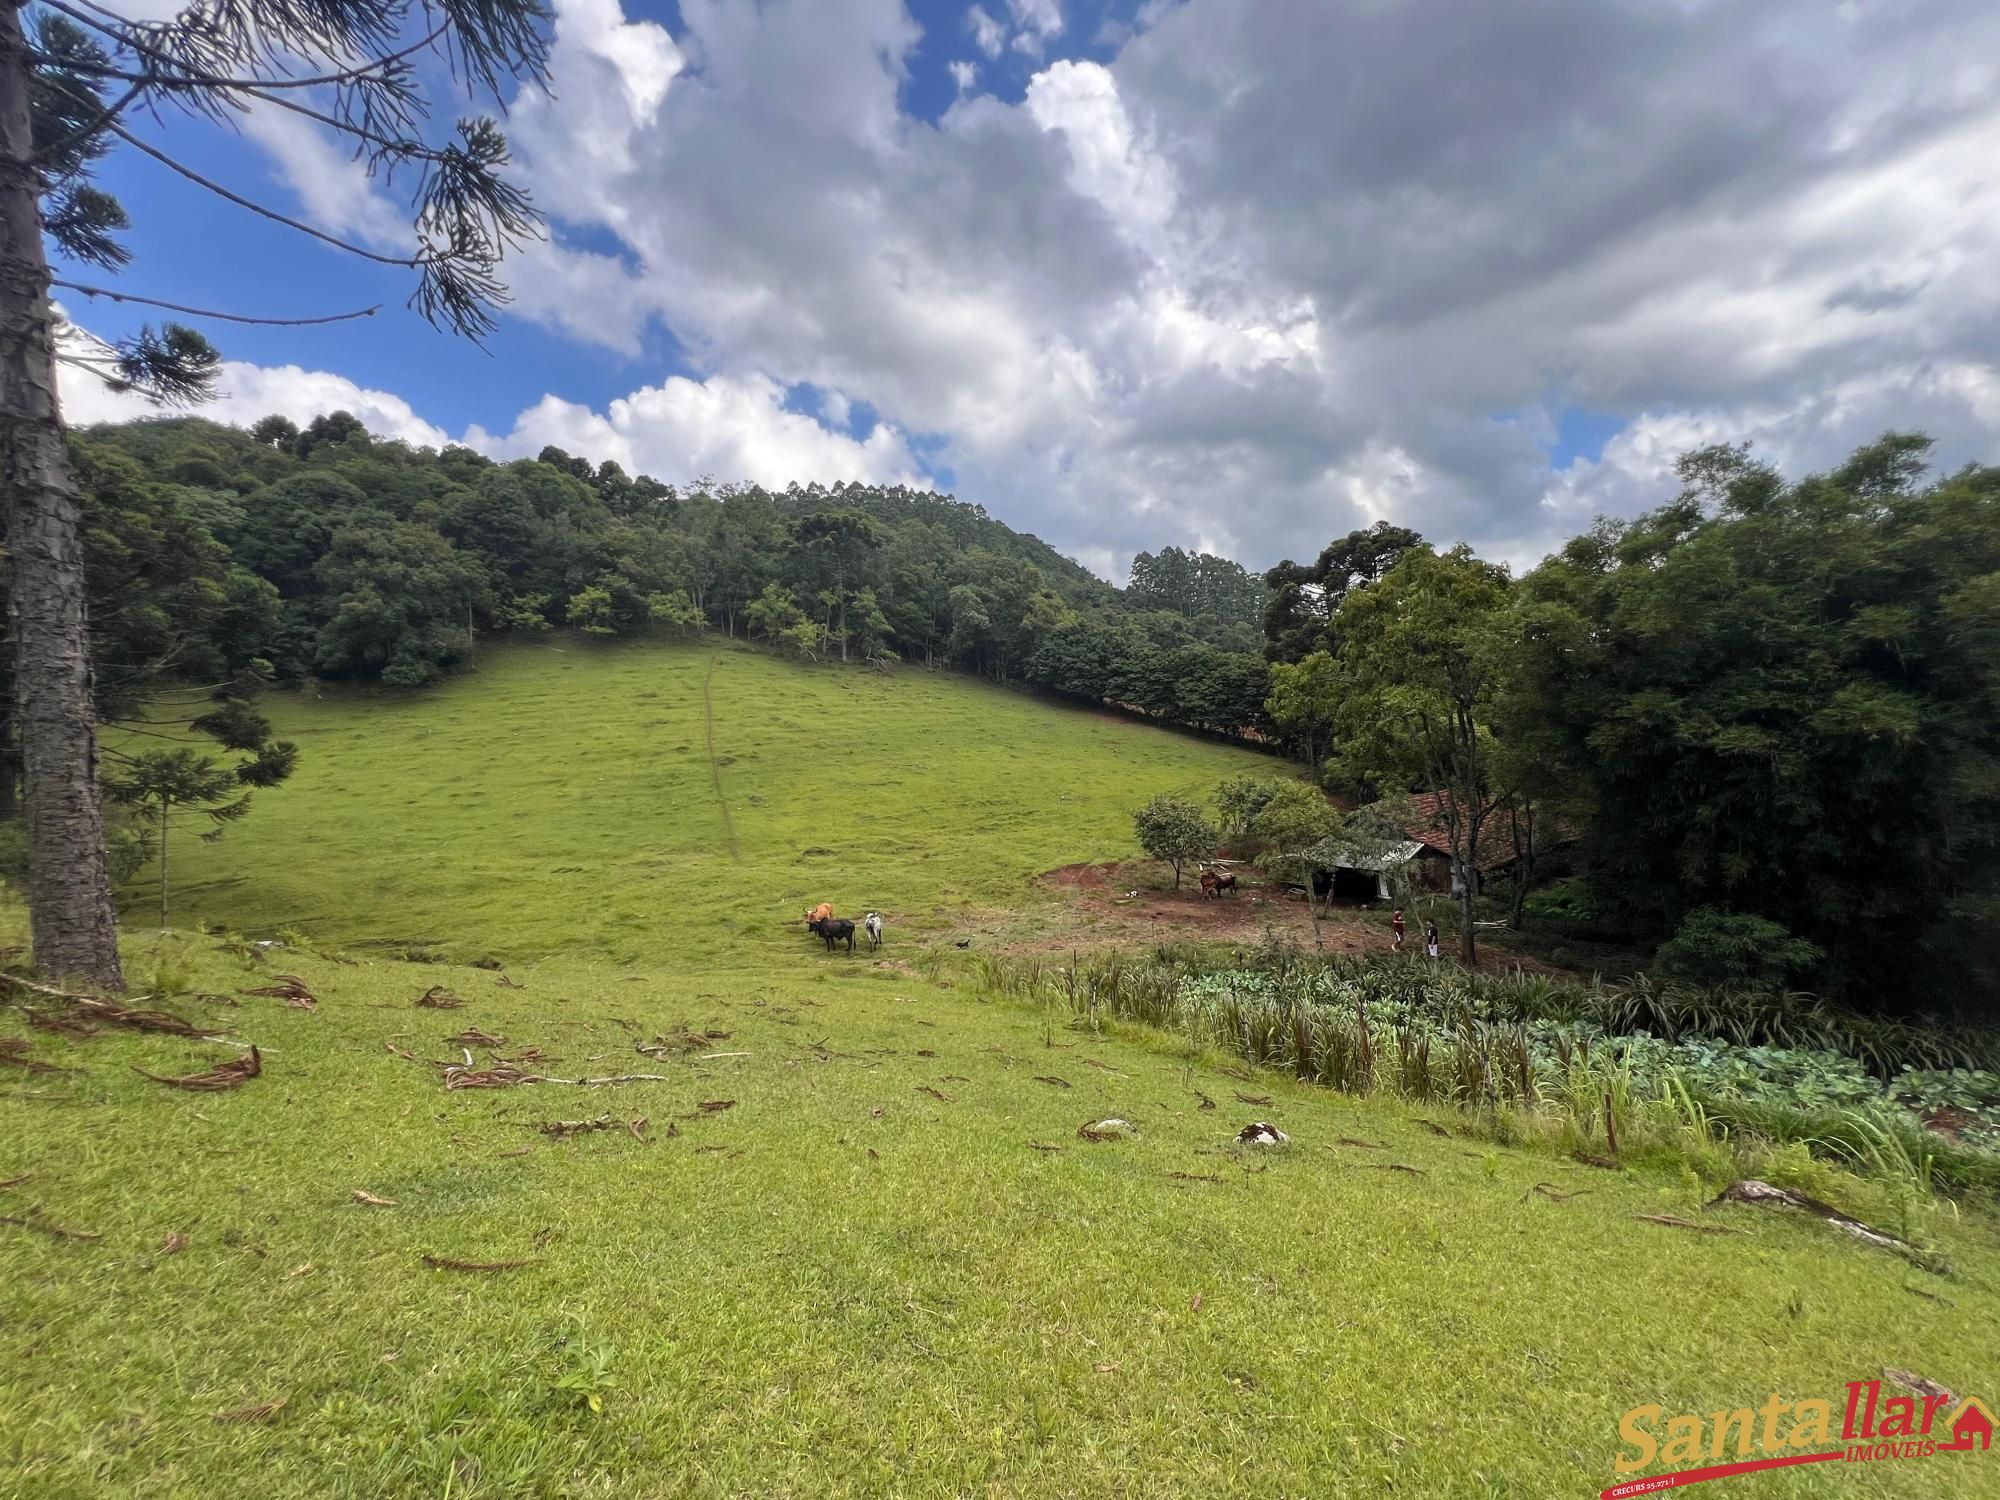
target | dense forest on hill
x=328, y=553
x=1758, y=729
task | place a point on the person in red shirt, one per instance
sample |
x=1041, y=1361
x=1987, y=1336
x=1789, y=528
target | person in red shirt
x=1396, y=926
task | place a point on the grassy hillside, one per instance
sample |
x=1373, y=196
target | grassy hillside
x=848, y=1284
x=636, y=800
x=848, y=1241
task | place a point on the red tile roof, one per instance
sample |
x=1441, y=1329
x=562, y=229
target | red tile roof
x=1423, y=819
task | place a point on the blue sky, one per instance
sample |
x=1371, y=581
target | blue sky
x=203, y=252
x=1224, y=273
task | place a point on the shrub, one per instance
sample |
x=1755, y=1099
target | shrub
x=1715, y=947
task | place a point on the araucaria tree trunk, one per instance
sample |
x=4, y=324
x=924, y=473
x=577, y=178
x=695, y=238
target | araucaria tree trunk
x=69, y=893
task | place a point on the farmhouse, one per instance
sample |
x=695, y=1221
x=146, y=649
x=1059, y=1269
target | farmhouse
x=1424, y=855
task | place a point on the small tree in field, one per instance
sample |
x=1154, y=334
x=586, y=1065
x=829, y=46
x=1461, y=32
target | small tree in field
x=1174, y=831
x=1239, y=799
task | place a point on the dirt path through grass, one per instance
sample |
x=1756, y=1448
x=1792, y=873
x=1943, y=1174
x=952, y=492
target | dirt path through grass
x=714, y=770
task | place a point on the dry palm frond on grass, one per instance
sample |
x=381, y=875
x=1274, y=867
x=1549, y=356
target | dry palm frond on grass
x=33, y=1219
x=255, y=1413
x=502, y=1077
x=229, y=1075
x=289, y=988
x=472, y=1036
x=14, y=1050
x=1674, y=1221
x=437, y=997
x=448, y=1263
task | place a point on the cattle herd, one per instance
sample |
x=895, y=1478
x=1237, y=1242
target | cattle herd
x=830, y=929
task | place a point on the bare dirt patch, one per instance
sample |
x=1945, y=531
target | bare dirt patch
x=1122, y=903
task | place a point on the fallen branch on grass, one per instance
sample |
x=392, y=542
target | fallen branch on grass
x=1396, y=1166
x=448, y=1263
x=229, y=1075
x=561, y=1128
x=289, y=988
x=1602, y=1163
x=1434, y=1128
x=1764, y=1195
x=1549, y=1191
x=254, y=1413
x=1673, y=1221
x=437, y=997
x=502, y=1076
x=14, y=1050
x=14, y=1182
x=94, y=1008
x=458, y=1077
x=472, y=1036
x=363, y=1196
x=33, y=1220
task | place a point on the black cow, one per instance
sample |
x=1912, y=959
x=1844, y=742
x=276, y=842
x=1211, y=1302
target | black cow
x=833, y=930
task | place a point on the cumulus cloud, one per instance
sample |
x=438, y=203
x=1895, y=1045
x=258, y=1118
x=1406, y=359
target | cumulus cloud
x=728, y=428
x=245, y=393
x=1264, y=275
x=965, y=75
x=988, y=34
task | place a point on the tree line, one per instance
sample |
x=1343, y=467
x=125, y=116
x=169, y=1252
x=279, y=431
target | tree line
x=1770, y=708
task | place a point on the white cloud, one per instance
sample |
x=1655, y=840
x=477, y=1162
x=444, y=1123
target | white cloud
x=1043, y=17
x=246, y=393
x=731, y=428
x=988, y=34
x=1249, y=284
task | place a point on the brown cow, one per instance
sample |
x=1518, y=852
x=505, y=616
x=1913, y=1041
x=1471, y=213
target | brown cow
x=819, y=913
x=1213, y=884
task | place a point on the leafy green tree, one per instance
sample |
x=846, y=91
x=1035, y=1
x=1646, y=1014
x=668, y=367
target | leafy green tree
x=836, y=552
x=589, y=609
x=1303, y=700
x=1294, y=819
x=674, y=608
x=1421, y=663
x=1174, y=831
x=774, y=612
x=1238, y=800
x=1782, y=699
x=398, y=601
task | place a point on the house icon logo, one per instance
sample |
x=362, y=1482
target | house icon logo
x=1971, y=1428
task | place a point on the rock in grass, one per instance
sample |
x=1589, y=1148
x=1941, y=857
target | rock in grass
x=1107, y=1130
x=1259, y=1133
